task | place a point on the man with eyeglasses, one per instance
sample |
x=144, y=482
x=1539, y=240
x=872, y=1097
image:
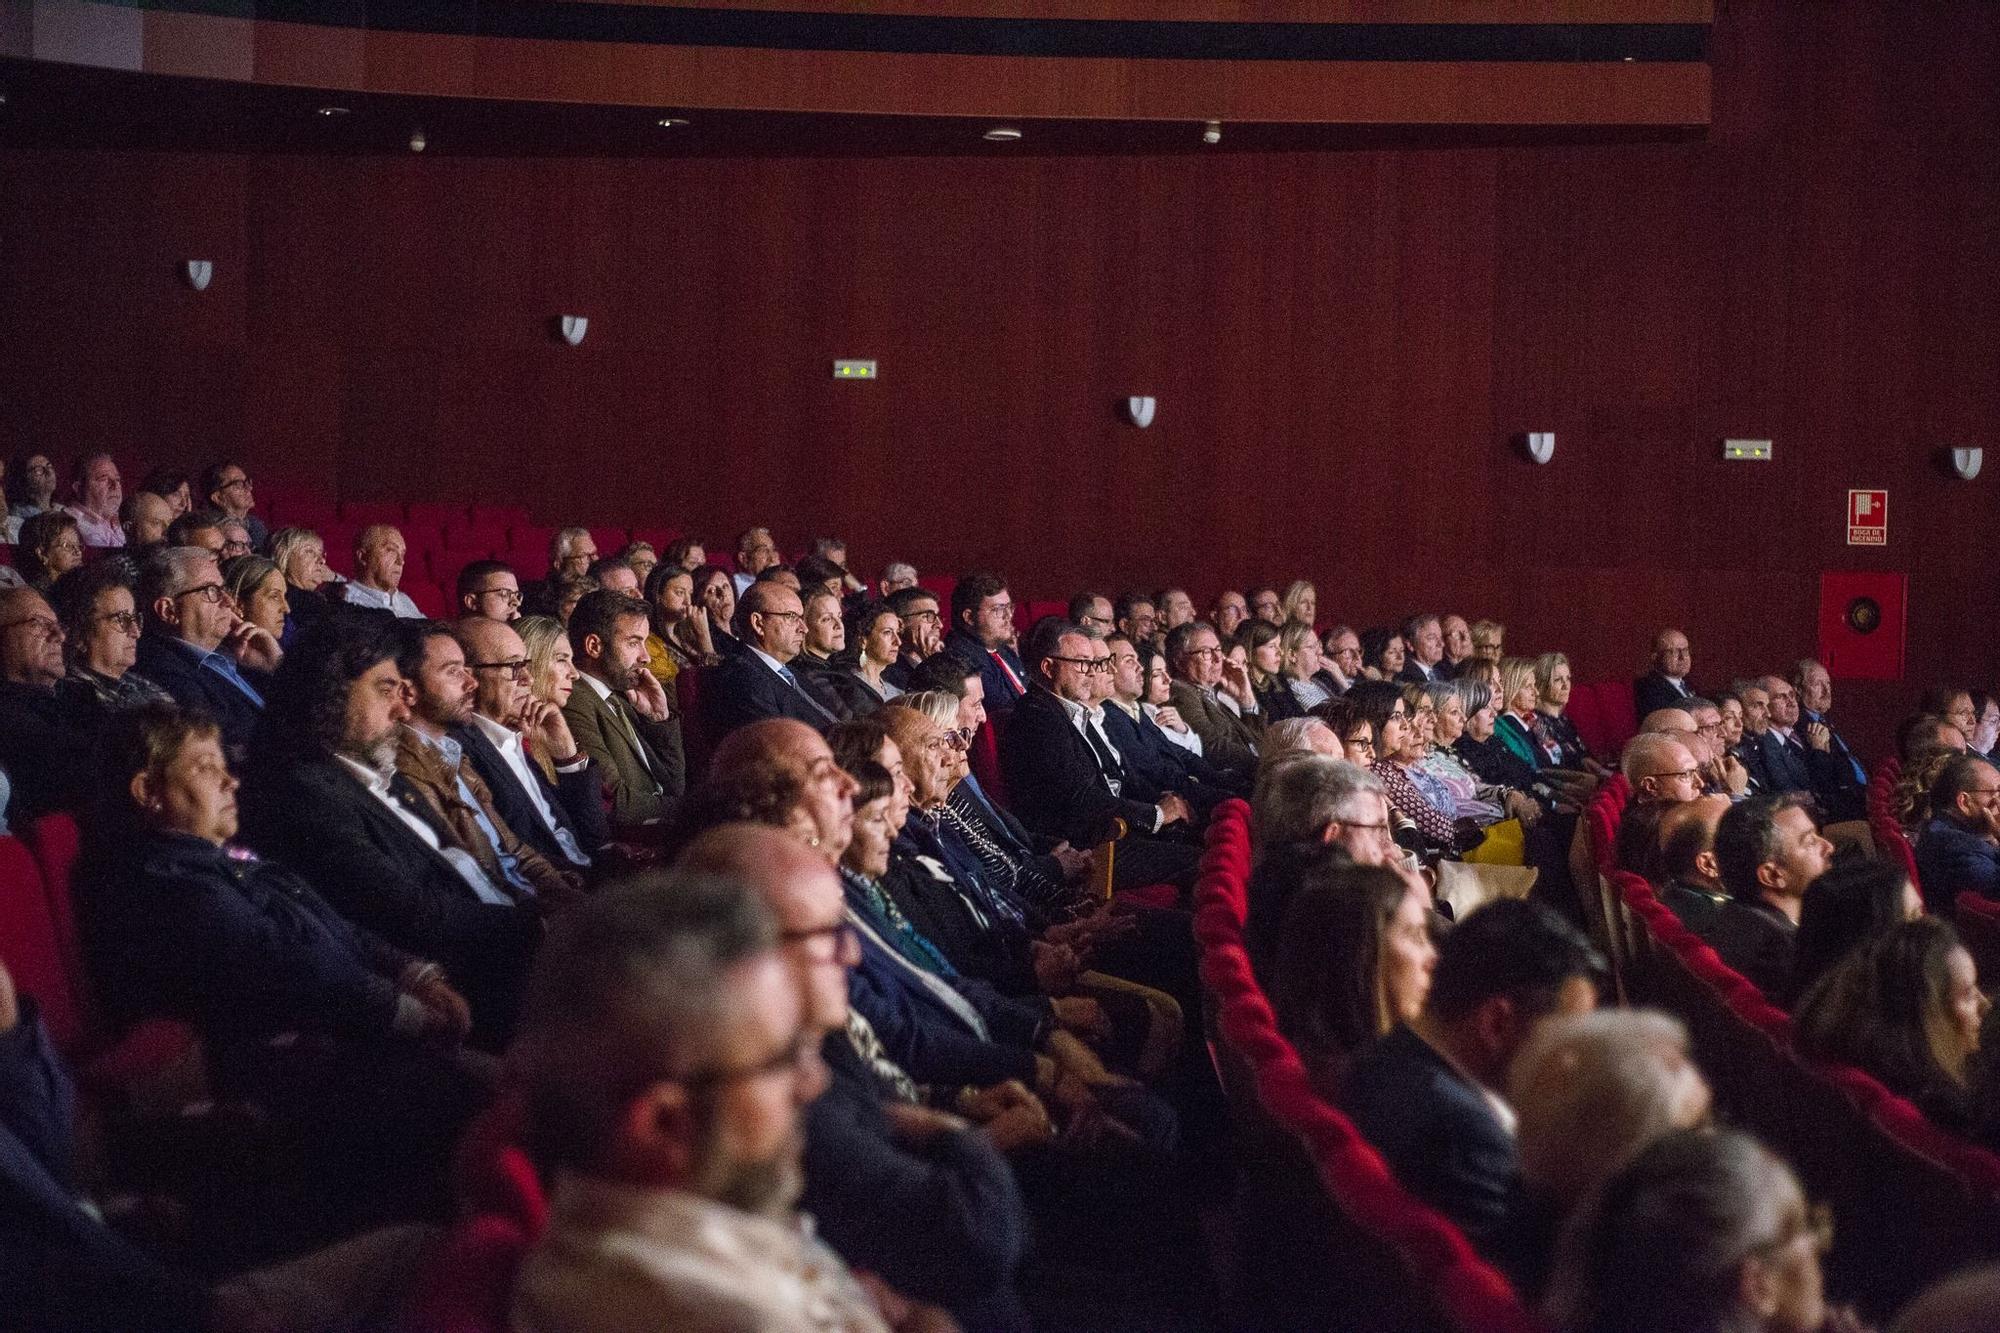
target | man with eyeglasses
x=1093, y=611
x=227, y=487
x=1665, y=684
x=1215, y=700
x=1138, y=618
x=1722, y=773
x=667, y=1059
x=1143, y=742
x=756, y=552
x=42, y=750
x=197, y=648
x=561, y=819
x=489, y=590
x=923, y=635
x=759, y=682
x=982, y=632
x=1959, y=849
x=1661, y=768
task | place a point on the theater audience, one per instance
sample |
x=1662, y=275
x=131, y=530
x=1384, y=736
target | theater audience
x=1399, y=746
x=1857, y=899
x=301, y=555
x=1703, y=1232
x=145, y=518
x=227, y=487
x=1228, y=613
x=1472, y=797
x=257, y=590
x=619, y=715
x=1552, y=690
x=1383, y=653
x=489, y=589
x=878, y=646
x=1354, y=959
x=1431, y=1096
x=1304, y=803
x=1959, y=848
x=679, y=639
x=1300, y=604
x=1691, y=885
x=95, y=495
x=1457, y=640
x=1482, y=747
x=1768, y=851
x=1260, y=643
x=1665, y=685
x=50, y=547
x=1342, y=649
x=1215, y=699
x=101, y=644
x=42, y=748
x=1142, y=740
x=197, y=648
x=759, y=681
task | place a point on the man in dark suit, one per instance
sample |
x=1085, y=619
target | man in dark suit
x=197, y=648
x=44, y=752
x=1693, y=888
x=1144, y=747
x=982, y=632
x=1067, y=781
x=619, y=716
x=1841, y=784
x=759, y=682
x=321, y=795
x=1768, y=852
x=923, y=633
x=562, y=819
x=1666, y=685
x=1430, y=1095
x=1800, y=757
x=1960, y=848
x=1424, y=635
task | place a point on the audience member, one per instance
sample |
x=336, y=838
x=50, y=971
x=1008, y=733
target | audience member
x=1175, y=608
x=1423, y=639
x=95, y=496
x=614, y=574
x=1691, y=886
x=100, y=644
x=759, y=682
x=1215, y=700
x=301, y=554
x=982, y=632
x=1156, y=697
x=145, y=518
x=1431, y=1096
x=686, y=552
x=1383, y=653
x=1302, y=666
x=1342, y=649
x=641, y=556
x=572, y=551
x=31, y=485
x=679, y=639
x=1399, y=745
x=923, y=633
x=1259, y=641
x=755, y=553
x=896, y=576
x=878, y=646
x=1854, y=901
x=822, y=677
x=42, y=750
x=1768, y=851
x=819, y=574
x=1228, y=613
x=169, y=483
x=51, y=546
x=257, y=592
x=1142, y=741
x=198, y=527
x=1266, y=605
x=1553, y=683
x=489, y=589
x=379, y=551
x=1518, y=699
x=1959, y=849
x=1457, y=640
x=619, y=715
x=1483, y=748
x=227, y=487
x=1489, y=639
x=1303, y=803
x=1665, y=685
x=197, y=648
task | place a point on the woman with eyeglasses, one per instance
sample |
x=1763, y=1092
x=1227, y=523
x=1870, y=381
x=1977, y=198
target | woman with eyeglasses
x=1398, y=746
x=101, y=626
x=51, y=545
x=257, y=587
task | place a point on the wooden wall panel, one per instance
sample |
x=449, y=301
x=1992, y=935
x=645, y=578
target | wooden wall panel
x=1342, y=343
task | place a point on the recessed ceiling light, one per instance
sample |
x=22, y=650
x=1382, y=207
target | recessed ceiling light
x=333, y=111
x=1002, y=134
x=672, y=122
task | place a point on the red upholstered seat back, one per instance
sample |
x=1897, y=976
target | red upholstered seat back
x=468, y=1285
x=31, y=945
x=985, y=759
x=54, y=840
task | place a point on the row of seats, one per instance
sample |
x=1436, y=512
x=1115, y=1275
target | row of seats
x=1393, y=1262
x=1913, y=1201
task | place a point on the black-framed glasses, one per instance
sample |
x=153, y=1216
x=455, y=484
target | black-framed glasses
x=1675, y=773
x=233, y=483
x=1087, y=663
x=791, y=1058
x=1362, y=743
x=843, y=934
x=128, y=621
x=799, y=616
x=922, y=615
x=45, y=626
x=1210, y=651
x=511, y=596
x=516, y=667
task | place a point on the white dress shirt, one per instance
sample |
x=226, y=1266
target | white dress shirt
x=514, y=752
x=397, y=602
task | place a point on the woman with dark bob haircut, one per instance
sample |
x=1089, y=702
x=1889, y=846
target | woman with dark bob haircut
x=1857, y=899
x=1354, y=959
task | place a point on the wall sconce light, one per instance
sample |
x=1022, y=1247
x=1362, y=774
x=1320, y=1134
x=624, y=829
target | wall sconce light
x=1965, y=463
x=571, y=328
x=198, y=273
x=1539, y=445
x=1139, y=411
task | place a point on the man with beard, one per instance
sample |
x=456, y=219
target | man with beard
x=439, y=691
x=618, y=714
x=667, y=1059
x=322, y=794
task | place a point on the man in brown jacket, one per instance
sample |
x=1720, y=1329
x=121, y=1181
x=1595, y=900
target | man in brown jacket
x=618, y=714
x=1214, y=699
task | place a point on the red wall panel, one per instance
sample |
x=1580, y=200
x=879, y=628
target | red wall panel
x=1343, y=345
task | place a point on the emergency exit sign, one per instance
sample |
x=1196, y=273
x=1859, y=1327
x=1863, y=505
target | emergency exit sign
x=1868, y=518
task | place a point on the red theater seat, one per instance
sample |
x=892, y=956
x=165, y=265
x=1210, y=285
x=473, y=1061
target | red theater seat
x=482, y=535
x=658, y=538
x=360, y=513
x=31, y=946
x=430, y=599
x=610, y=541
x=434, y=514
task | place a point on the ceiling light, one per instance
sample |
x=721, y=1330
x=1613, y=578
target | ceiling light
x=333, y=111
x=1002, y=134
x=672, y=122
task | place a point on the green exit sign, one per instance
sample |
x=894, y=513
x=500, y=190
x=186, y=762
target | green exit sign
x=854, y=370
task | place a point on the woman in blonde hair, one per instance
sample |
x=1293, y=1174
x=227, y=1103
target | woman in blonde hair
x=1300, y=659
x=1300, y=605
x=1519, y=696
x=552, y=672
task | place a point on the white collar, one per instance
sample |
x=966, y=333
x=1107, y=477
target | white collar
x=503, y=736
x=603, y=690
x=374, y=781
x=777, y=667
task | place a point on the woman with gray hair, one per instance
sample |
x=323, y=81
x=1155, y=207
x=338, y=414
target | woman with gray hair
x=1479, y=745
x=1473, y=797
x=1299, y=661
x=300, y=554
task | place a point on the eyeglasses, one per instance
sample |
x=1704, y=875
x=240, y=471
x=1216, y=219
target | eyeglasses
x=799, y=616
x=958, y=738
x=914, y=616
x=235, y=548
x=233, y=483
x=68, y=546
x=1089, y=664
x=1675, y=773
x=44, y=626
x=1000, y=609
x=511, y=596
x=1362, y=743
x=845, y=938
x=212, y=593
x=126, y=621
x=516, y=667
x=1210, y=651
x=795, y=1056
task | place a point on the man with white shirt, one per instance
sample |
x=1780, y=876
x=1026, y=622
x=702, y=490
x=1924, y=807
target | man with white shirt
x=95, y=495
x=1800, y=757
x=379, y=551
x=322, y=794
x=1666, y=685
x=1215, y=699
x=619, y=714
x=563, y=818
x=1141, y=737
x=755, y=553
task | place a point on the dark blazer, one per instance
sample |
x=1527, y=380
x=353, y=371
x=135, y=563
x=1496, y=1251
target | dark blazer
x=317, y=818
x=44, y=751
x=573, y=798
x=642, y=790
x=1782, y=767
x=1696, y=906
x=744, y=689
x=1755, y=939
x=1055, y=782
x=1439, y=1135
x=1277, y=702
x=1163, y=764
x=1001, y=693
x=1951, y=861
x=940, y=1220
x=833, y=687
x=1492, y=761
x=65, y=1270
x=922, y=1034
x=172, y=669
x=1413, y=672
x=1654, y=690
x=1842, y=781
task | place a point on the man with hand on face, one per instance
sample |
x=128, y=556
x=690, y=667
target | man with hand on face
x=923, y=634
x=759, y=682
x=1801, y=758
x=1140, y=740
x=1959, y=849
x=439, y=695
x=563, y=818
x=618, y=714
x=196, y=647
x=1839, y=782
x=1215, y=698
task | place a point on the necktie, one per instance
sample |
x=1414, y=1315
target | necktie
x=785, y=674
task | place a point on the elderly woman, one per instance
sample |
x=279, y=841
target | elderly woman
x=1398, y=747
x=300, y=556
x=1474, y=797
x=101, y=641
x=641, y=556
x=1382, y=653
x=1300, y=605
x=51, y=545
x=1519, y=697
x=1480, y=748
x=257, y=587
x=1300, y=660
x=1552, y=686
x=1259, y=640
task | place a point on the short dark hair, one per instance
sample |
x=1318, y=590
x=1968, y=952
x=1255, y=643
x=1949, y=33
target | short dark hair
x=1747, y=837
x=972, y=589
x=901, y=600
x=661, y=574
x=305, y=707
x=856, y=741
x=75, y=594
x=1122, y=609
x=1079, y=605
x=1857, y=899
x=1958, y=774
x=1689, y=840
x=676, y=552
x=164, y=480
x=477, y=573
x=211, y=477
x=413, y=639
x=1418, y=621
x=1375, y=642
x=942, y=670
x=182, y=528
x=871, y=782
x=37, y=531
x=1040, y=642
x=1514, y=948
x=597, y=569
x=862, y=620
x=598, y=612
x=772, y=573
x=817, y=569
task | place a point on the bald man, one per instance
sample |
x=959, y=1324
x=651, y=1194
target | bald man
x=1666, y=684
x=562, y=819
x=1692, y=887
x=919, y=1196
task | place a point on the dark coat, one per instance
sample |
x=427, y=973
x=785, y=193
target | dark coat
x=573, y=798
x=1951, y=861
x=1055, y=782
x=1163, y=764
x=44, y=750
x=1654, y=691
x=922, y=1034
x=174, y=670
x=744, y=689
x=1755, y=939
x=1001, y=693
